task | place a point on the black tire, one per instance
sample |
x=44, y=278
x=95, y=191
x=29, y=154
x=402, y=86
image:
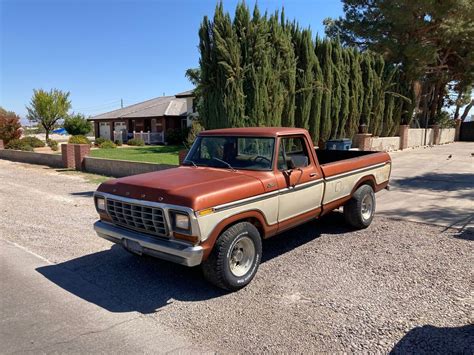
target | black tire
x=217, y=267
x=355, y=210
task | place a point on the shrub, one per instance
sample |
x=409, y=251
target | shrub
x=444, y=120
x=108, y=144
x=76, y=124
x=118, y=143
x=79, y=140
x=18, y=144
x=10, y=127
x=136, y=141
x=52, y=144
x=33, y=141
x=176, y=136
x=196, y=127
x=98, y=141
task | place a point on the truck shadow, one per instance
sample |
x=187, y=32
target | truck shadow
x=429, y=339
x=121, y=282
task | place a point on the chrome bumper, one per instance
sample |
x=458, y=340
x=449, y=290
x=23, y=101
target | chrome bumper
x=162, y=249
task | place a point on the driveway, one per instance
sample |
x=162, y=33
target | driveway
x=397, y=285
x=432, y=185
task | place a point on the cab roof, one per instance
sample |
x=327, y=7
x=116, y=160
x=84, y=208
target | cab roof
x=254, y=131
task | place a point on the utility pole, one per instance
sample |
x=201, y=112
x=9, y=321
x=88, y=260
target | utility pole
x=121, y=103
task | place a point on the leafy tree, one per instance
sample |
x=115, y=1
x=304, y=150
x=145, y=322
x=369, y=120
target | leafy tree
x=431, y=42
x=10, y=127
x=47, y=108
x=77, y=124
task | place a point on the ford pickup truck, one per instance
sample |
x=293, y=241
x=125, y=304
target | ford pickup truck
x=235, y=188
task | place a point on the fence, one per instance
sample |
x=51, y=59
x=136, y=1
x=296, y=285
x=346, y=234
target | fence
x=120, y=168
x=52, y=160
x=149, y=137
x=409, y=138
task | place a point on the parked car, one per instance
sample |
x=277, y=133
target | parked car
x=235, y=188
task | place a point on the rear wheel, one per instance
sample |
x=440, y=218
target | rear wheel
x=235, y=258
x=359, y=210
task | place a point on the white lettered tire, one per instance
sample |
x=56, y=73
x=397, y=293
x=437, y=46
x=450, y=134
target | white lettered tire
x=360, y=209
x=235, y=257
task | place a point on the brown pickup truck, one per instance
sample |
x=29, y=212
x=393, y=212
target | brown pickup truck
x=235, y=188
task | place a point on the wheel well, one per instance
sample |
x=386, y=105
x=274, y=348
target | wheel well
x=251, y=220
x=369, y=180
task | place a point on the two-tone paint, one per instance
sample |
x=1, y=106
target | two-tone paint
x=273, y=201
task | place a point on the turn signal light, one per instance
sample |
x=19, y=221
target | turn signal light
x=189, y=238
x=205, y=212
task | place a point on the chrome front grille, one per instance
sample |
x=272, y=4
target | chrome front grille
x=139, y=217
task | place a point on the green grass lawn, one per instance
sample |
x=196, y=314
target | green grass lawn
x=160, y=154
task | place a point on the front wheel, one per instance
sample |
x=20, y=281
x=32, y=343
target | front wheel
x=235, y=257
x=359, y=210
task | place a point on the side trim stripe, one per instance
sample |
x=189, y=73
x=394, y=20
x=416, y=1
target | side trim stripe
x=358, y=171
x=267, y=195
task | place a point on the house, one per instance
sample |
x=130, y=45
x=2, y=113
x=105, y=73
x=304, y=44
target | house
x=149, y=120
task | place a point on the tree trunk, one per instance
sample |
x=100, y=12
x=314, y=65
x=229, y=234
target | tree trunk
x=466, y=110
x=458, y=107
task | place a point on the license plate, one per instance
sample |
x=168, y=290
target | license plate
x=133, y=246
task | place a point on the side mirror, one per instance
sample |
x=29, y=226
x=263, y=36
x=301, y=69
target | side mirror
x=290, y=164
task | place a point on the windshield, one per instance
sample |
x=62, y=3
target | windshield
x=247, y=153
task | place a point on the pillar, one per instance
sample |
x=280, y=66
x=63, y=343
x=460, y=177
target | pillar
x=364, y=141
x=436, y=134
x=80, y=152
x=403, y=133
x=67, y=152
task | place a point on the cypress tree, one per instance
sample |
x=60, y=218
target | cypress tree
x=318, y=86
x=230, y=73
x=306, y=58
x=368, y=83
x=337, y=67
x=324, y=52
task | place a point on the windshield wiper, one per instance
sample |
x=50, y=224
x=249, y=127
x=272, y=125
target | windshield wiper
x=224, y=162
x=190, y=161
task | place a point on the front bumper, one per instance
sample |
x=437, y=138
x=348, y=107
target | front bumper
x=162, y=249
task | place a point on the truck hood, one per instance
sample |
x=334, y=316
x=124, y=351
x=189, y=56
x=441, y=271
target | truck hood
x=197, y=188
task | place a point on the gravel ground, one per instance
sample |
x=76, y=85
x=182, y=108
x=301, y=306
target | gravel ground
x=396, y=286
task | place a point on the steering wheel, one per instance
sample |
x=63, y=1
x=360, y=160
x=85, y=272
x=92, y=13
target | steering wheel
x=259, y=157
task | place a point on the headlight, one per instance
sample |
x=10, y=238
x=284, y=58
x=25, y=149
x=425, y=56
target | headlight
x=100, y=204
x=181, y=221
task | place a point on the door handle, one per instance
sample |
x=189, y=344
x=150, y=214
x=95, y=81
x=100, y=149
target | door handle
x=312, y=175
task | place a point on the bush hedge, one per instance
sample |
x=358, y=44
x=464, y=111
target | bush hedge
x=107, y=144
x=52, y=144
x=33, y=142
x=79, y=140
x=136, y=142
x=98, y=141
x=18, y=144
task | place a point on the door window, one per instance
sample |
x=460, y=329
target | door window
x=293, y=149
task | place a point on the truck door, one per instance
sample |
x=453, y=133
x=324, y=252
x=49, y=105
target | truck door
x=299, y=181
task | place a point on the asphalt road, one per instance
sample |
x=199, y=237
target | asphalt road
x=398, y=285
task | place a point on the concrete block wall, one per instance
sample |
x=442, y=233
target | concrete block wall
x=51, y=160
x=447, y=135
x=120, y=168
x=385, y=144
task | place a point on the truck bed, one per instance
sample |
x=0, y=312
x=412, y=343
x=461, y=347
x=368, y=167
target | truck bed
x=331, y=156
x=335, y=162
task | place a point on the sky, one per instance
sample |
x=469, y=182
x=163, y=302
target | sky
x=103, y=51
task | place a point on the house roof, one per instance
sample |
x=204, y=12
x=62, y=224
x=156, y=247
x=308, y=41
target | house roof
x=189, y=93
x=159, y=106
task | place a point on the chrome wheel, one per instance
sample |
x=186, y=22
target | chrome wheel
x=242, y=256
x=367, y=207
